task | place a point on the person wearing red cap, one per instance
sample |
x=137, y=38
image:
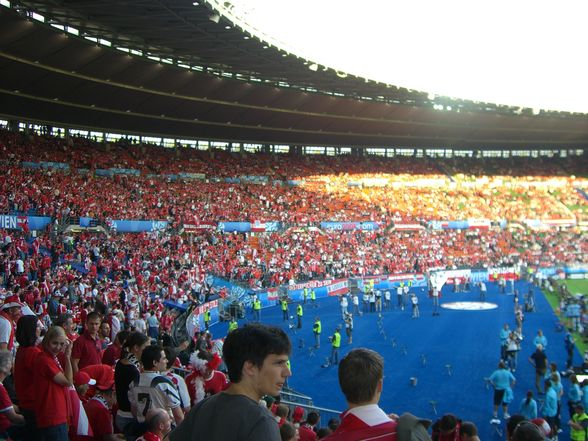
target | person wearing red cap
x=10, y=312
x=102, y=373
x=98, y=409
x=82, y=382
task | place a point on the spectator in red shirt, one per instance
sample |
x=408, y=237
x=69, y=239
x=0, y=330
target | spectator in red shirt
x=10, y=312
x=102, y=373
x=66, y=321
x=98, y=409
x=82, y=382
x=113, y=351
x=28, y=332
x=51, y=382
x=205, y=380
x=306, y=429
x=87, y=349
x=8, y=416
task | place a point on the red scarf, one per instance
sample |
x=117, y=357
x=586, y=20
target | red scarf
x=149, y=436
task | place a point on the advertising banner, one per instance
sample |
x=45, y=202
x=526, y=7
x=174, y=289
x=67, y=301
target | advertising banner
x=254, y=179
x=188, y=176
x=195, y=320
x=11, y=222
x=126, y=226
x=322, y=288
x=408, y=227
x=508, y=273
x=200, y=226
x=350, y=226
x=239, y=227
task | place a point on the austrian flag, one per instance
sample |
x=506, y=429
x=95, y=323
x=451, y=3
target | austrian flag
x=258, y=226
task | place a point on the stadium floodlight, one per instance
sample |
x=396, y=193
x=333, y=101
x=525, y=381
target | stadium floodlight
x=492, y=52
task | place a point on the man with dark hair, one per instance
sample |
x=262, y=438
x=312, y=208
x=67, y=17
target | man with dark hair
x=87, y=349
x=306, y=429
x=361, y=377
x=539, y=360
x=447, y=428
x=152, y=389
x=256, y=357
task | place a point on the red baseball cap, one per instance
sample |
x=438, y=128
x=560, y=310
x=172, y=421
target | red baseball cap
x=80, y=378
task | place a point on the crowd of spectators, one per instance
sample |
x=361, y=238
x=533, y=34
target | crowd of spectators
x=271, y=259
x=112, y=286
x=412, y=189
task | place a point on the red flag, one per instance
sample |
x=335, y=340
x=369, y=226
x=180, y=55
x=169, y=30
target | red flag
x=78, y=420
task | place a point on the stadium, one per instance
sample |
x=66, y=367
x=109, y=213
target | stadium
x=171, y=167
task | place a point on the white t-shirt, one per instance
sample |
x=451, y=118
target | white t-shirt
x=5, y=330
x=152, y=391
x=140, y=325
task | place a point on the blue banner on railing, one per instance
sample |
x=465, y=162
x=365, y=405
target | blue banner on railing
x=239, y=227
x=349, y=226
x=125, y=171
x=191, y=175
x=576, y=270
x=45, y=164
x=85, y=221
x=254, y=179
x=272, y=227
x=293, y=183
x=10, y=222
x=126, y=226
x=449, y=225
x=103, y=172
x=232, y=180
x=55, y=165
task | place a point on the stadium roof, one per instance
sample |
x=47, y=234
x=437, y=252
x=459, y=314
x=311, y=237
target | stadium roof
x=211, y=80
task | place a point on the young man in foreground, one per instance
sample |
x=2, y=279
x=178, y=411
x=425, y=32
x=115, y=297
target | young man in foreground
x=256, y=357
x=361, y=379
